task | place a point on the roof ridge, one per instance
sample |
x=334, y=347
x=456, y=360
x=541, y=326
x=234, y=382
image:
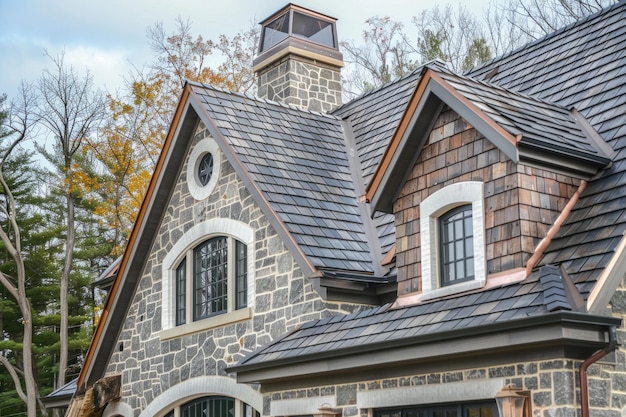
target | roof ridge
x=545, y=38
x=258, y=99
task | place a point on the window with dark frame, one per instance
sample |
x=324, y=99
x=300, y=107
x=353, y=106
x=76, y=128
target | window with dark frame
x=181, y=293
x=479, y=409
x=205, y=169
x=214, y=265
x=210, y=278
x=456, y=245
x=213, y=406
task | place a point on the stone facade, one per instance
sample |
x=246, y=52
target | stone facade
x=553, y=384
x=301, y=82
x=521, y=202
x=283, y=298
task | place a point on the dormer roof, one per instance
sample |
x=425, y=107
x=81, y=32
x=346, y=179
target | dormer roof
x=527, y=129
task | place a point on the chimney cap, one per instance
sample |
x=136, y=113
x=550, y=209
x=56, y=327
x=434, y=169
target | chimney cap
x=300, y=31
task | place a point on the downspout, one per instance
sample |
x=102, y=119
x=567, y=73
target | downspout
x=584, y=385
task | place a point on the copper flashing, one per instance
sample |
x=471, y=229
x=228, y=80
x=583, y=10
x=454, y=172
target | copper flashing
x=132, y=241
x=545, y=242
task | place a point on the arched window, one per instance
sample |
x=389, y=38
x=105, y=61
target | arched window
x=208, y=278
x=218, y=284
x=213, y=406
x=452, y=240
x=456, y=240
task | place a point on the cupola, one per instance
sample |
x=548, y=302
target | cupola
x=298, y=60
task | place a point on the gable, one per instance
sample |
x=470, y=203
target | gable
x=526, y=129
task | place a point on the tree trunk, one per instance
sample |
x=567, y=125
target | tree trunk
x=64, y=286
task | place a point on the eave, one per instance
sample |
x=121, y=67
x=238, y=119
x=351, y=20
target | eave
x=574, y=334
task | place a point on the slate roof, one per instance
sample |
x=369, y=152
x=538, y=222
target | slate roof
x=299, y=161
x=582, y=66
x=545, y=293
x=537, y=123
x=60, y=397
x=373, y=119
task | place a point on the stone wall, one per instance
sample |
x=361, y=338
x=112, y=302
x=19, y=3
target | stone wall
x=283, y=298
x=298, y=81
x=553, y=385
x=521, y=202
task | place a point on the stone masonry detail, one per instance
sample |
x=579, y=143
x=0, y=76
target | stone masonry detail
x=283, y=298
x=521, y=202
x=297, y=81
x=553, y=384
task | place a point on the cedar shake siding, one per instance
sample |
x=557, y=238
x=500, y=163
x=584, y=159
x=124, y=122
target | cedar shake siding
x=521, y=202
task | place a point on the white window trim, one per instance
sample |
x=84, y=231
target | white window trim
x=194, y=236
x=202, y=386
x=204, y=146
x=436, y=204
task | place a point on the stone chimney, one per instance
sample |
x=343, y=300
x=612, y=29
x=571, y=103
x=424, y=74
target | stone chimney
x=299, y=60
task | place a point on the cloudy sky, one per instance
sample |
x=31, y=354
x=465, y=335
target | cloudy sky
x=108, y=37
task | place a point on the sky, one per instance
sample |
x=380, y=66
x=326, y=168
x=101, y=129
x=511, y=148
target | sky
x=108, y=37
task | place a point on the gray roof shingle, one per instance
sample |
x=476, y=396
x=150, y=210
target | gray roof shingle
x=582, y=66
x=299, y=161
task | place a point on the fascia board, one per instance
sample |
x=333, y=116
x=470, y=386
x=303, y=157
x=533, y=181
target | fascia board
x=133, y=260
x=300, y=257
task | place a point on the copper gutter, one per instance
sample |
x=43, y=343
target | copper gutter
x=584, y=384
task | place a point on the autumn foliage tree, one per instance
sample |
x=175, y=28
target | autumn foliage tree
x=138, y=118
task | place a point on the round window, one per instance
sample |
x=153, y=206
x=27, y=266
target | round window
x=205, y=169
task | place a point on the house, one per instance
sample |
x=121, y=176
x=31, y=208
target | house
x=424, y=249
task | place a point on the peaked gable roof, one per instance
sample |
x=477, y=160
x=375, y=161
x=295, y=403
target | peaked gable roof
x=297, y=166
x=525, y=128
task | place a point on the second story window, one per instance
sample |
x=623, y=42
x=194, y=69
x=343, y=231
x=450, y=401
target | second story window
x=456, y=245
x=218, y=284
x=452, y=240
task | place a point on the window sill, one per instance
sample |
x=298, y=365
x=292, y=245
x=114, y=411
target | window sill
x=207, y=324
x=452, y=289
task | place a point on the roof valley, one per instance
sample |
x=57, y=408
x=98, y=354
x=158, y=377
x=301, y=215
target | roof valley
x=356, y=171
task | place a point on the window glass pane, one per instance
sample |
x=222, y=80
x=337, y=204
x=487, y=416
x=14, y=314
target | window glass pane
x=275, y=31
x=211, y=278
x=181, y=293
x=460, y=268
x=241, y=274
x=209, y=407
x=469, y=266
x=313, y=29
x=456, y=246
x=469, y=247
x=205, y=169
x=459, y=253
x=458, y=229
x=469, y=228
